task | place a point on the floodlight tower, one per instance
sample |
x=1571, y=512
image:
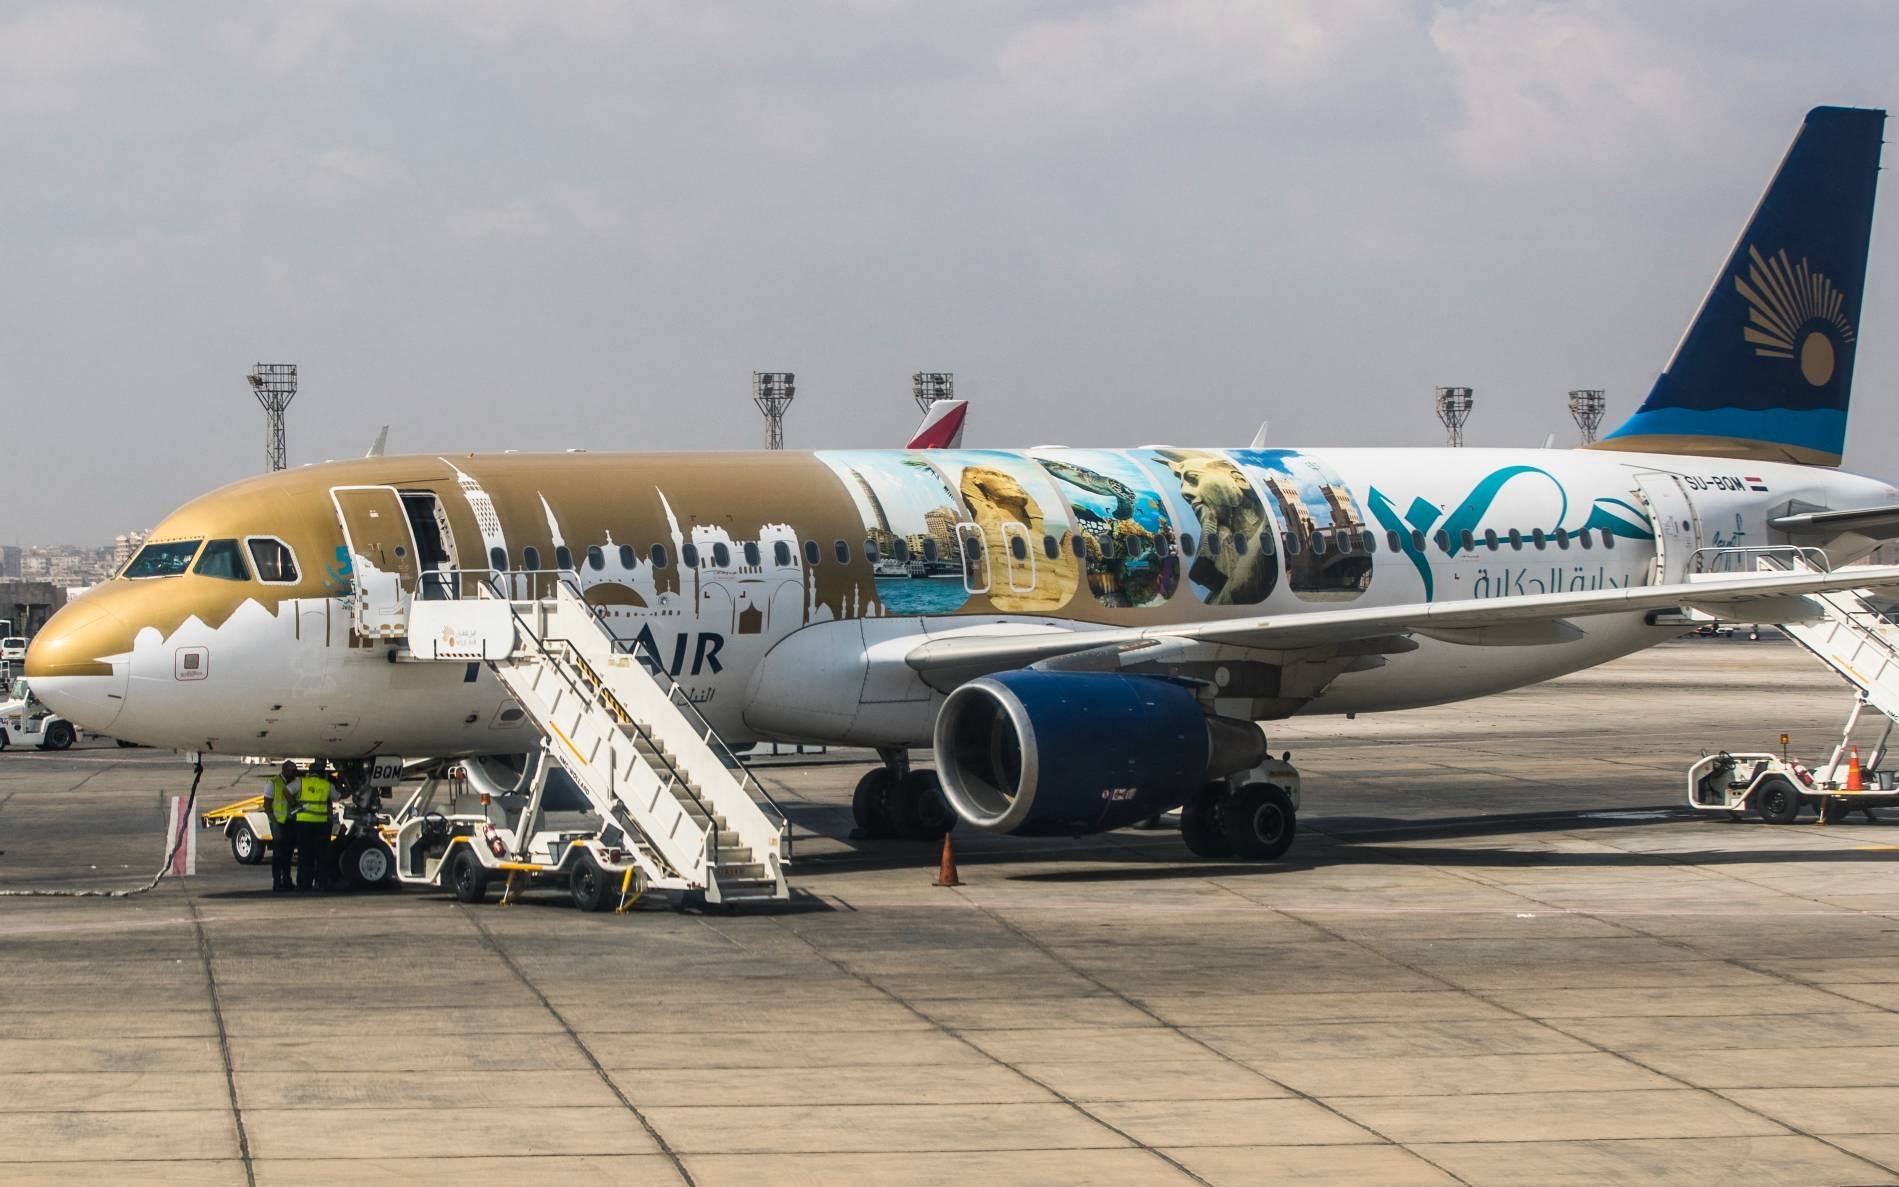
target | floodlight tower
x=275, y=385
x=930, y=386
x=772, y=391
x=1585, y=406
x=1453, y=408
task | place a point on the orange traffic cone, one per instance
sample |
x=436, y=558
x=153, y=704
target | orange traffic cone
x=946, y=873
x=1855, y=778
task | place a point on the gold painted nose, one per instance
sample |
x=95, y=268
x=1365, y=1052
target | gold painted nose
x=75, y=642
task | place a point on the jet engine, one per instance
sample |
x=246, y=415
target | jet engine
x=1068, y=753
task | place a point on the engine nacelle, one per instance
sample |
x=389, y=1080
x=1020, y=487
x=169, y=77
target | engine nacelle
x=1068, y=753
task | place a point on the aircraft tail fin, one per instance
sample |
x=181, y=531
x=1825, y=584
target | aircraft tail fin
x=942, y=426
x=1765, y=369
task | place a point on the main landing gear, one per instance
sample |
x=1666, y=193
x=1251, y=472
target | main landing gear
x=894, y=802
x=1249, y=817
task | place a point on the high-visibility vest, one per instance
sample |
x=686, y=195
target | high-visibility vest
x=313, y=800
x=282, y=805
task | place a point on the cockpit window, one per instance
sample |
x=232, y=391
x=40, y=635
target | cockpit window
x=222, y=558
x=163, y=560
x=275, y=563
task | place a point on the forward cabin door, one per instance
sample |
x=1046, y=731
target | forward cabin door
x=381, y=555
x=1677, y=526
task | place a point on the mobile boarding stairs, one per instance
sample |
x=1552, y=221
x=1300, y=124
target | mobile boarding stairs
x=1846, y=632
x=678, y=812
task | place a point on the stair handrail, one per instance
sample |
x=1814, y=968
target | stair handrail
x=1750, y=558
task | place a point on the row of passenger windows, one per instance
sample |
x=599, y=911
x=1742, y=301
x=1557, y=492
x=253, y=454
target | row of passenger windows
x=1340, y=542
x=224, y=559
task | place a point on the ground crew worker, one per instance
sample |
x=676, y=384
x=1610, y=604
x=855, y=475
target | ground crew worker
x=282, y=807
x=313, y=830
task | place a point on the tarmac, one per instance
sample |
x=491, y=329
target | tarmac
x=1502, y=952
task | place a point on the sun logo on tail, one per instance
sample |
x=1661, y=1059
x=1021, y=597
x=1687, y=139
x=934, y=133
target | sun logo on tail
x=1793, y=312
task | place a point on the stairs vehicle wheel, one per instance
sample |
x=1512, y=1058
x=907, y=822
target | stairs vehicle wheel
x=1200, y=825
x=1833, y=809
x=245, y=846
x=870, y=803
x=1259, y=821
x=368, y=864
x=588, y=884
x=917, y=809
x=1777, y=801
x=467, y=880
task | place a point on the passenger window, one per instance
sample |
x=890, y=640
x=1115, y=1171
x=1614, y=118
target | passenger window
x=1291, y=541
x=1583, y=538
x=689, y=555
x=781, y=554
x=721, y=555
x=1562, y=537
x=1516, y=539
x=750, y=550
x=900, y=548
x=1186, y=544
x=871, y=552
x=1213, y=543
x=1318, y=544
x=843, y=551
x=1490, y=539
x=222, y=558
x=1608, y=538
x=1391, y=541
x=1050, y=548
x=1345, y=542
x=657, y=554
x=1018, y=548
x=497, y=560
x=1239, y=544
x=563, y=557
x=163, y=560
x=1417, y=539
x=1466, y=539
x=1370, y=541
x=596, y=559
x=1442, y=539
x=275, y=565
x=627, y=557
x=1078, y=546
x=929, y=549
x=812, y=553
x=1536, y=537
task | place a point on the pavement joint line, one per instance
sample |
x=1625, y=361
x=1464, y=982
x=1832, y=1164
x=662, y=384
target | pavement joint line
x=1054, y=955
x=208, y=958
x=1490, y=997
x=953, y=1033
x=494, y=945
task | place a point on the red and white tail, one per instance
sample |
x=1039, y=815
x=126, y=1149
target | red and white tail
x=942, y=426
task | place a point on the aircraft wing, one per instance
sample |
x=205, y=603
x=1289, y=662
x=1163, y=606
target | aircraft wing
x=1530, y=619
x=1875, y=523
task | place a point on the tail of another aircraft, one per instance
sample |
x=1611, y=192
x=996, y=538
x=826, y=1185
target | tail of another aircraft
x=1766, y=367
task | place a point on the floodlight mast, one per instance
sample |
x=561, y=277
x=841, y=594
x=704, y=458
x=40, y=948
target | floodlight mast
x=1585, y=406
x=930, y=386
x=1453, y=408
x=275, y=385
x=773, y=391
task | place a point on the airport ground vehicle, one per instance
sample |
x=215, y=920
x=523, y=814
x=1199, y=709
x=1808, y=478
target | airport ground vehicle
x=362, y=830
x=13, y=649
x=25, y=720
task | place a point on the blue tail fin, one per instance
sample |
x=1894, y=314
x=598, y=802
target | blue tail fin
x=1766, y=366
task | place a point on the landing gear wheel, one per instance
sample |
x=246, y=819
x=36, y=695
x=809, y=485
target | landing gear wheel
x=59, y=736
x=870, y=803
x=1259, y=821
x=1777, y=802
x=588, y=884
x=245, y=846
x=368, y=864
x=467, y=880
x=1200, y=825
x=917, y=809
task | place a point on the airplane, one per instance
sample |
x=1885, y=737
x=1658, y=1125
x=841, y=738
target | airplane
x=1086, y=638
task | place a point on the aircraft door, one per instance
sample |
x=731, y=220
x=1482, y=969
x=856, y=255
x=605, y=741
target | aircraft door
x=1677, y=526
x=1021, y=557
x=381, y=552
x=975, y=550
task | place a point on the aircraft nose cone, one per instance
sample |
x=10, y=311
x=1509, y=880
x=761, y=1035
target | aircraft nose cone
x=68, y=669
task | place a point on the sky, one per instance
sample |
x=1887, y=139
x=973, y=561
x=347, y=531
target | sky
x=536, y=225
